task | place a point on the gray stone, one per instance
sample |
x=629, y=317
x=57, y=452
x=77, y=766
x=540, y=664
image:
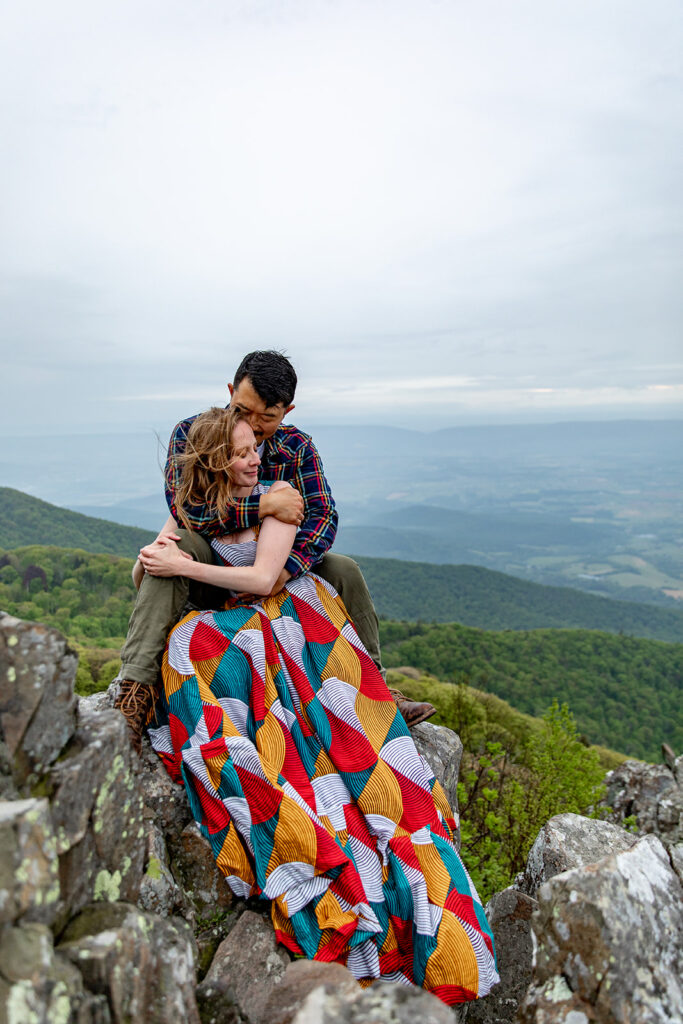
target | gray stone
x=442, y=750
x=37, y=702
x=38, y=986
x=651, y=792
x=676, y=857
x=509, y=914
x=380, y=1004
x=166, y=800
x=97, y=815
x=96, y=702
x=571, y=841
x=210, y=932
x=8, y=789
x=204, y=886
x=29, y=878
x=609, y=942
x=159, y=893
x=143, y=964
x=246, y=967
x=302, y=977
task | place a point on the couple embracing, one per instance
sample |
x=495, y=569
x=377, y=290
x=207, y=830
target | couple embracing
x=273, y=710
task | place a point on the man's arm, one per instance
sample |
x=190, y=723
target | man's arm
x=319, y=527
x=244, y=512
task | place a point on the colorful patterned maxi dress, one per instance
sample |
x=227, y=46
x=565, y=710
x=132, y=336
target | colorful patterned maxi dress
x=302, y=775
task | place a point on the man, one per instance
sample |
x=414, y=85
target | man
x=263, y=389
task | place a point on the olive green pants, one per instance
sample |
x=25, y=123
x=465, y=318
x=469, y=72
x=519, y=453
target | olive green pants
x=162, y=599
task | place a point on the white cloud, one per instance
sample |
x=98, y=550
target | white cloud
x=391, y=190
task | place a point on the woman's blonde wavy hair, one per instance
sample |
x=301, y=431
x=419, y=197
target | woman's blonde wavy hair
x=205, y=464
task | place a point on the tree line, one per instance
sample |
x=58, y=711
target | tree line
x=625, y=692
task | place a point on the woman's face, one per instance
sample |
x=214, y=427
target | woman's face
x=246, y=459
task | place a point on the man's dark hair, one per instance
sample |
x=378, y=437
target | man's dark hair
x=271, y=374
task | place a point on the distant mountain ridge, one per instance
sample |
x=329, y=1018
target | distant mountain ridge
x=474, y=596
x=409, y=591
x=25, y=520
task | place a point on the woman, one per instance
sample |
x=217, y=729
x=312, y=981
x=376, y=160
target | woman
x=298, y=766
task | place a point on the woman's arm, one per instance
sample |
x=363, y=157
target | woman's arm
x=169, y=529
x=272, y=550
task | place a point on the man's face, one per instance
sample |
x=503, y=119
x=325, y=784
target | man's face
x=263, y=420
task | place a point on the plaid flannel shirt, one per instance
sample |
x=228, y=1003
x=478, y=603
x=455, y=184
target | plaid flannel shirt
x=288, y=455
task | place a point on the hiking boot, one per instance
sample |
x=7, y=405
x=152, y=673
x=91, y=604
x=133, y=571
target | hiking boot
x=413, y=711
x=136, y=703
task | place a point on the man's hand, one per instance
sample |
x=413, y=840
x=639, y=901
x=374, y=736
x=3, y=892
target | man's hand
x=286, y=504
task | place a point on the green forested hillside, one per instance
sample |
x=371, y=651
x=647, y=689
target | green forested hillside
x=626, y=693
x=476, y=596
x=414, y=591
x=27, y=520
x=88, y=597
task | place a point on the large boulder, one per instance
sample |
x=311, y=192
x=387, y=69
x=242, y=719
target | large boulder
x=37, y=702
x=442, y=750
x=565, y=842
x=571, y=841
x=300, y=979
x=509, y=914
x=39, y=986
x=97, y=815
x=29, y=878
x=377, y=1005
x=143, y=964
x=652, y=793
x=608, y=941
x=248, y=964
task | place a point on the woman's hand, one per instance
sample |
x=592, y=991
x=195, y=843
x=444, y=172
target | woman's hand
x=164, y=558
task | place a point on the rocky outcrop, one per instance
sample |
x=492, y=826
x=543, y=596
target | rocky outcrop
x=609, y=942
x=249, y=952
x=509, y=914
x=37, y=702
x=650, y=793
x=442, y=750
x=590, y=930
x=74, y=852
x=97, y=815
x=142, y=964
x=112, y=909
x=570, y=841
x=330, y=1004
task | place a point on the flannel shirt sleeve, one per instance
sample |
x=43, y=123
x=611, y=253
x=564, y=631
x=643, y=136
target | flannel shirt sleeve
x=319, y=527
x=243, y=513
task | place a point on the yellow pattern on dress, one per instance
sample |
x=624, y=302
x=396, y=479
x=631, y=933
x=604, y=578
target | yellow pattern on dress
x=232, y=859
x=382, y=794
x=376, y=718
x=270, y=744
x=294, y=839
x=434, y=870
x=342, y=663
x=453, y=962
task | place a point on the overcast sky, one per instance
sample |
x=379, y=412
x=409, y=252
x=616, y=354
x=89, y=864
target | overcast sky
x=445, y=212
